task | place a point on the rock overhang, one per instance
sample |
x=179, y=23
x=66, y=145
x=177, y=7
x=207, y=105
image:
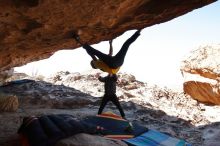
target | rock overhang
x=32, y=30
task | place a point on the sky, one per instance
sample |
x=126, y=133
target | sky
x=155, y=57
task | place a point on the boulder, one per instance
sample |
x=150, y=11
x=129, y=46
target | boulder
x=8, y=103
x=201, y=71
x=211, y=134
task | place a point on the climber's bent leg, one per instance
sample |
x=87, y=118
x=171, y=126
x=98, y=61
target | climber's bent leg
x=119, y=57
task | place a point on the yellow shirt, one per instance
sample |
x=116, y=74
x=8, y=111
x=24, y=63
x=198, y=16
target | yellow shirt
x=104, y=67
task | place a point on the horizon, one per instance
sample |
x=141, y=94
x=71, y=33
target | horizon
x=154, y=57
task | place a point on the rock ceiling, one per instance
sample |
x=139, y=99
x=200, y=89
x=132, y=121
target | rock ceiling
x=32, y=30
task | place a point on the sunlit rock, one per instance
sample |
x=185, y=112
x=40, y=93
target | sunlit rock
x=201, y=71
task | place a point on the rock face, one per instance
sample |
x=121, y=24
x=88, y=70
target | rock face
x=34, y=29
x=4, y=75
x=202, y=74
x=8, y=103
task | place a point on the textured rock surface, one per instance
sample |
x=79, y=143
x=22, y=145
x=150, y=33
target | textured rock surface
x=34, y=29
x=211, y=135
x=8, y=103
x=201, y=71
x=4, y=75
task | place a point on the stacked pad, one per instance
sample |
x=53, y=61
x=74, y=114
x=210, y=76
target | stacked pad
x=49, y=129
x=155, y=138
x=117, y=127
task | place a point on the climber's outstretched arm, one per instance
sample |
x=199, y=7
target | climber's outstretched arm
x=102, y=79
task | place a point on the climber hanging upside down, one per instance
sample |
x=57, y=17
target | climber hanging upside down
x=108, y=63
